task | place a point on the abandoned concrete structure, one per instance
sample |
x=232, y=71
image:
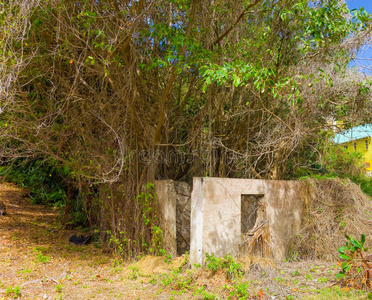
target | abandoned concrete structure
x=174, y=203
x=222, y=212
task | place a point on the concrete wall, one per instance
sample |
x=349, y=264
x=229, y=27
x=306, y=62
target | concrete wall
x=173, y=204
x=212, y=222
x=216, y=213
x=166, y=205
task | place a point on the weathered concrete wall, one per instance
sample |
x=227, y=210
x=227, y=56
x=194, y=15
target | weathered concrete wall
x=166, y=202
x=174, y=203
x=215, y=209
x=216, y=213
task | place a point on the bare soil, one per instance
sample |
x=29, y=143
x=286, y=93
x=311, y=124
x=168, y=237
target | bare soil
x=37, y=261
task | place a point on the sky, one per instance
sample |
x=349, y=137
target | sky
x=364, y=57
x=367, y=4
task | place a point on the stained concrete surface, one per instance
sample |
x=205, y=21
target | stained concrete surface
x=211, y=221
x=216, y=213
x=173, y=204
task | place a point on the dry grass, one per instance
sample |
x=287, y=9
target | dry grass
x=262, y=241
x=336, y=207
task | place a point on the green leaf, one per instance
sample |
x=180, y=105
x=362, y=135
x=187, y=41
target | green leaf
x=342, y=249
x=344, y=256
x=363, y=239
x=237, y=81
x=355, y=243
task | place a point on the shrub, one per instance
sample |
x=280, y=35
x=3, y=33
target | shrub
x=46, y=182
x=355, y=270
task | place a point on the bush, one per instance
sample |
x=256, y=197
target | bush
x=339, y=163
x=355, y=269
x=334, y=162
x=47, y=183
x=364, y=182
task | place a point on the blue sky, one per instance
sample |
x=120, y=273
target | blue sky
x=365, y=53
x=367, y=4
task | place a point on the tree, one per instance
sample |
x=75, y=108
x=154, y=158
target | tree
x=120, y=93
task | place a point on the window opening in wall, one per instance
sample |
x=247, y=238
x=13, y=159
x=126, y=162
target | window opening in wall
x=345, y=146
x=366, y=143
x=250, y=211
x=354, y=146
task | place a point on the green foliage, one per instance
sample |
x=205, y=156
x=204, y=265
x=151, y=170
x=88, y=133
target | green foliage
x=239, y=290
x=340, y=163
x=79, y=218
x=168, y=258
x=178, y=281
x=312, y=29
x=203, y=294
x=147, y=199
x=157, y=241
x=46, y=181
x=13, y=292
x=42, y=258
x=119, y=245
x=337, y=293
x=134, y=274
x=335, y=162
x=365, y=183
x=233, y=270
x=214, y=263
x=348, y=253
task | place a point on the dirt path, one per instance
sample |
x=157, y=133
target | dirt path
x=36, y=256
x=38, y=262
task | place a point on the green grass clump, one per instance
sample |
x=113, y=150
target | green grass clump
x=13, y=292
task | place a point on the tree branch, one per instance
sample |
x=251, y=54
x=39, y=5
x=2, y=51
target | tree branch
x=228, y=30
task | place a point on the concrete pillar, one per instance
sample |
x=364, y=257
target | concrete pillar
x=166, y=205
